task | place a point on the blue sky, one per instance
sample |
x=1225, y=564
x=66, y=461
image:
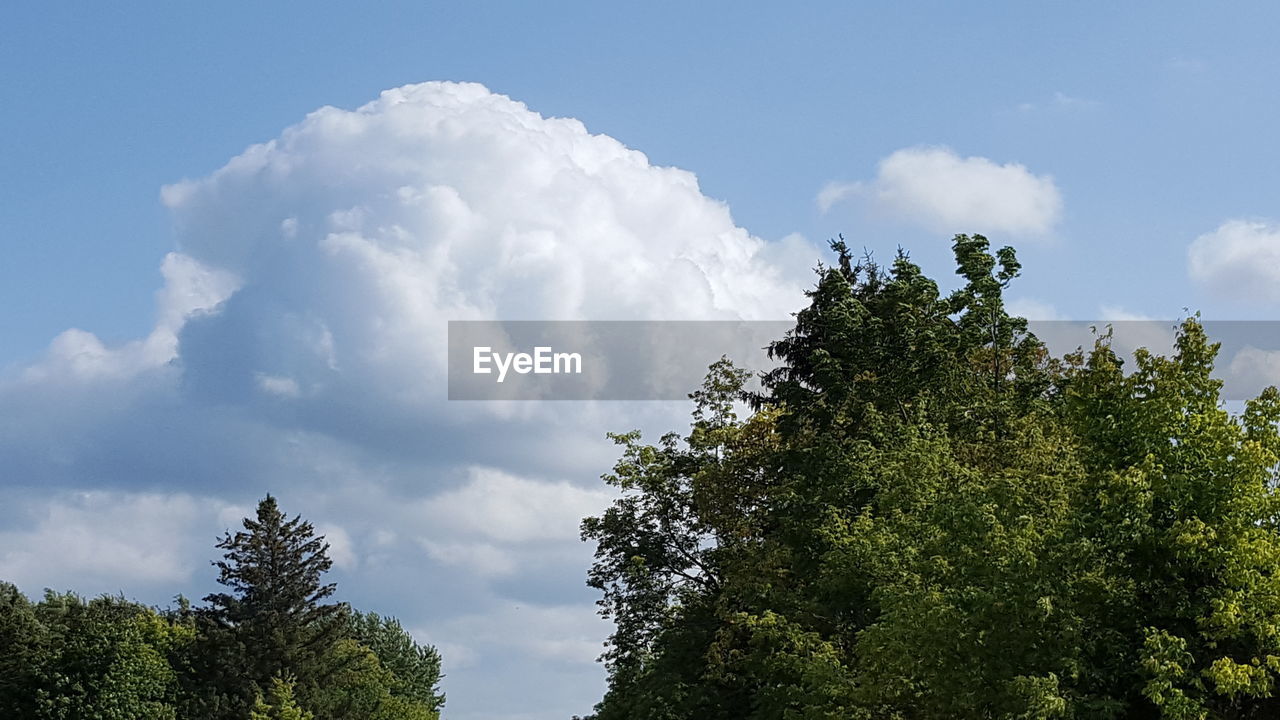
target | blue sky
x=1171, y=132
x=1128, y=151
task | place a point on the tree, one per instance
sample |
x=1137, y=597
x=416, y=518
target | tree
x=1182, y=508
x=365, y=689
x=927, y=516
x=273, y=622
x=662, y=552
x=105, y=659
x=279, y=703
x=718, y=546
x=109, y=659
x=23, y=641
x=414, y=668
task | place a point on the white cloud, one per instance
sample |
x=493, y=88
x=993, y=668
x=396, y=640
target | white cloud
x=299, y=348
x=1240, y=259
x=1255, y=368
x=559, y=633
x=510, y=509
x=190, y=289
x=358, y=234
x=942, y=191
x=1250, y=368
x=1120, y=314
x=97, y=541
x=321, y=267
x=480, y=558
x=497, y=523
x=341, y=548
x=1063, y=100
x=278, y=385
x=443, y=198
x=1060, y=101
x=835, y=192
x=1032, y=309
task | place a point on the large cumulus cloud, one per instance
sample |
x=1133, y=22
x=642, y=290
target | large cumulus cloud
x=299, y=348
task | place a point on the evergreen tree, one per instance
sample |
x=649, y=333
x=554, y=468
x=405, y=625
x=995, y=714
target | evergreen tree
x=109, y=659
x=273, y=621
x=23, y=642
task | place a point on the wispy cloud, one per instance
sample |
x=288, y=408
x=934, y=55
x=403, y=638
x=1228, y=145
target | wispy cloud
x=1059, y=101
x=1186, y=65
x=1033, y=309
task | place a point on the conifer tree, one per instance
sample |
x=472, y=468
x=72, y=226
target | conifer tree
x=22, y=642
x=273, y=620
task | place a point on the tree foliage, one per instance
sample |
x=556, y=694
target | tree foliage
x=269, y=648
x=926, y=515
x=103, y=659
x=278, y=703
x=413, y=669
x=272, y=621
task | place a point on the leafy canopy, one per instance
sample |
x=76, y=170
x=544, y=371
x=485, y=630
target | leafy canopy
x=926, y=515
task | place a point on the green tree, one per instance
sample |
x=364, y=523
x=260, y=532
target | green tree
x=414, y=668
x=719, y=546
x=278, y=704
x=105, y=659
x=23, y=641
x=273, y=621
x=1181, y=505
x=365, y=689
x=927, y=516
x=689, y=508
x=109, y=659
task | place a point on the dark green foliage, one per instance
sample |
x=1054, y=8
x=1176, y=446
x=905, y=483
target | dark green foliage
x=269, y=648
x=23, y=639
x=67, y=659
x=414, y=668
x=662, y=553
x=272, y=622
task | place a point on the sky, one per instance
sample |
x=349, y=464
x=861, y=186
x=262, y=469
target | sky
x=233, y=234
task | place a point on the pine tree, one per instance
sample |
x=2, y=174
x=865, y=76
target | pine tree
x=273, y=621
x=23, y=642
